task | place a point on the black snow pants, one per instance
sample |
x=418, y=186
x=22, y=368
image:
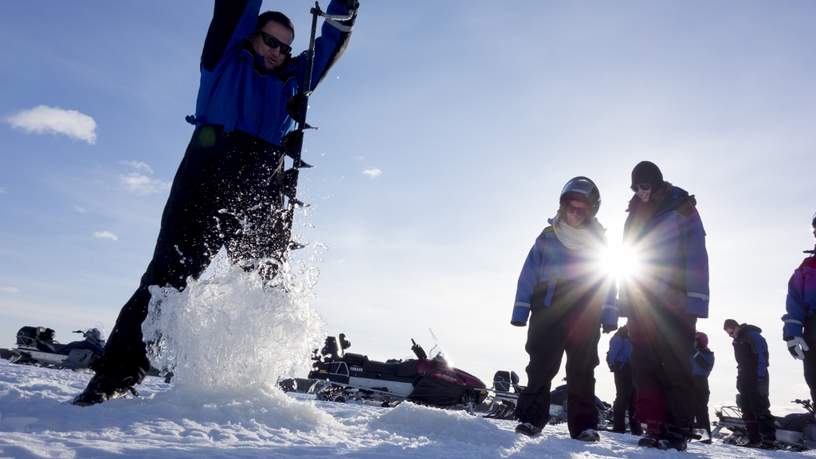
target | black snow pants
x=662, y=345
x=570, y=325
x=701, y=396
x=227, y=192
x=755, y=406
x=810, y=356
x=625, y=402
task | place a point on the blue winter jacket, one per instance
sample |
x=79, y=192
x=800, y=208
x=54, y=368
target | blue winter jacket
x=751, y=353
x=702, y=362
x=620, y=351
x=548, y=263
x=236, y=93
x=671, y=247
x=801, y=301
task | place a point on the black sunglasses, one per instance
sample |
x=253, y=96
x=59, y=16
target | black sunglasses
x=273, y=43
x=642, y=187
x=579, y=211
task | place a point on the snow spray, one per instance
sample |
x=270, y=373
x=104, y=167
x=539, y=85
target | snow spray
x=228, y=332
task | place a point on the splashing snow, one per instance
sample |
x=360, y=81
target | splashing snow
x=228, y=332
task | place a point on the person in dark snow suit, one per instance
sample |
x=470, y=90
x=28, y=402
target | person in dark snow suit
x=799, y=331
x=229, y=188
x=751, y=353
x=618, y=358
x=663, y=302
x=568, y=299
x=702, y=361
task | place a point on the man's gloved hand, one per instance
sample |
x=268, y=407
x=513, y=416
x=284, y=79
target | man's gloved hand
x=608, y=328
x=518, y=323
x=797, y=347
x=352, y=5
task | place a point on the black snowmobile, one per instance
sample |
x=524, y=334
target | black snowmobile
x=795, y=431
x=37, y=346
x=506, y=390
x=348, y=376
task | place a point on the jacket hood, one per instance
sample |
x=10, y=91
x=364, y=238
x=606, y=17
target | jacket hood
x=667, y=198
x=745, y=328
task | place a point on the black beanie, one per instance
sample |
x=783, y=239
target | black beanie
x=647, y=172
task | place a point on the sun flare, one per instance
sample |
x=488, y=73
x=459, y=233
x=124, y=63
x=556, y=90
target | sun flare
x=620, y=261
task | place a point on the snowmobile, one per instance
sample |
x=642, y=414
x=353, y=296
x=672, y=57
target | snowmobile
x=506, y=390
x=37, y=346
x=422, y=380
x=796, y=432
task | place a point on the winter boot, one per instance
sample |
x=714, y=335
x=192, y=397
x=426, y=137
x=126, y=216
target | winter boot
x=673, y=442
x=526, y=428
x=648, y=441
x=589, y=435
x=102, y=388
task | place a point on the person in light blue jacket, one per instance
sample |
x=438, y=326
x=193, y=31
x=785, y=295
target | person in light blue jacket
x=230, y=189
x=567, y=298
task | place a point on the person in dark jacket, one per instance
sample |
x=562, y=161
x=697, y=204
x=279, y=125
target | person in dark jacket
x=568, y=299
x=701, y=364
x=799, y=331
x=618, y=357
x=230, y=186
x=751, y=353
x=663, y=302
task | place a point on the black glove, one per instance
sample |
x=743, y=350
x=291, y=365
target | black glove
x=608, y=328
x=351, y=5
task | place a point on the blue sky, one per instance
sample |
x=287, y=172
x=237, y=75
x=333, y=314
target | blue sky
x=476, y=113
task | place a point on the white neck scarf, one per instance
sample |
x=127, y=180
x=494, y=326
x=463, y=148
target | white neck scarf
x=583, y=238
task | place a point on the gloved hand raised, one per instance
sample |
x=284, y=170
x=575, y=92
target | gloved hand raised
x=797, y=347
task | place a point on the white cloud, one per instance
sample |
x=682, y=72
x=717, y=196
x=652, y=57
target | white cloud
x=140, y=181
x=372, y=172
x=3, y=190
x=105, y=235
x=7, y=289
x=135, y=182
x=54, y=120
x=138, y=166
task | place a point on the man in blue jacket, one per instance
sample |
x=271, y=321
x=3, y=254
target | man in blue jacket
x=663, y=302
x=229, y=189
x=751, y=353
x=799, y=331
x=618, y=358
x=568, y=299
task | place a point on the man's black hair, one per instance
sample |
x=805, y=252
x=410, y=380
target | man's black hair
x=275, y=16
x=730, y=323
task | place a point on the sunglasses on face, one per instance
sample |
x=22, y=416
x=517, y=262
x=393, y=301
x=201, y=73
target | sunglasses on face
x=578, y=211
x=273, y=43
x=642, y=187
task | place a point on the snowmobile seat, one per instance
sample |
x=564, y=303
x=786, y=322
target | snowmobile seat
x=355, y=359
x=382, y=369
x=406, y=369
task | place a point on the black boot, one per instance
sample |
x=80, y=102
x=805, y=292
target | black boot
x=103, y=387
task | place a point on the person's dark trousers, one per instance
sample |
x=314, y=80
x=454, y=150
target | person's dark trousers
x=662, y=341
x=624, y=402
x=567, y=326
x=810, y=356
x=226, y=192
x=755, y=407
x=701, y=396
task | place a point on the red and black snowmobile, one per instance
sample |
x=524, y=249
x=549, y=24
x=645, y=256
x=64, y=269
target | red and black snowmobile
x=422, y=380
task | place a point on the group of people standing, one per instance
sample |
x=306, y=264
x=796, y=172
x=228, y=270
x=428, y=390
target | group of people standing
x=660, y=361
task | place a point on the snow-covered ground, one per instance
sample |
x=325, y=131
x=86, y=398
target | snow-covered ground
x=37, y=421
